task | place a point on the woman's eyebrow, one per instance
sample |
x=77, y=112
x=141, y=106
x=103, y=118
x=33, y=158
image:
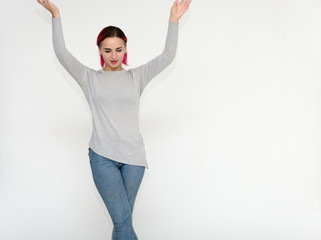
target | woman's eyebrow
x=116, y=48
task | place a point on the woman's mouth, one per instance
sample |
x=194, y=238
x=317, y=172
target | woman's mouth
x=114, y=62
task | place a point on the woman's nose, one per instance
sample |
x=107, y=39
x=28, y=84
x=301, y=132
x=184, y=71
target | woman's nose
x=113, y=55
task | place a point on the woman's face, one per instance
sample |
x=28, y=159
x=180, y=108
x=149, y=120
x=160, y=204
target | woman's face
x=113, y=50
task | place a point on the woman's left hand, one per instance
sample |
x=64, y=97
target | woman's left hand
x=178, y=9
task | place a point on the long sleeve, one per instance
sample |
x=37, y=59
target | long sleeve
x=149, y=70
x=76, y=69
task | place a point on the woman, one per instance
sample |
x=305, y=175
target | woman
x=116, y=148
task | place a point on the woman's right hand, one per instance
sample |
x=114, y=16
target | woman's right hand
x=52, y=8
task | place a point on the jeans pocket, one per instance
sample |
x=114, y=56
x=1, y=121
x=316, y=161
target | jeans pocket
x=94, y=157
x=89, y=153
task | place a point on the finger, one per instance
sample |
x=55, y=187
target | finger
x=186, y=3
x=45, y=2
x=42, y=2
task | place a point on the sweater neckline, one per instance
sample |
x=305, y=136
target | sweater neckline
x=103, y=71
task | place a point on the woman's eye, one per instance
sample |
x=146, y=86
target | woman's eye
x=119, y=50
x=107, y=51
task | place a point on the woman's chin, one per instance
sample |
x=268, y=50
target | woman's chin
x=112, y=67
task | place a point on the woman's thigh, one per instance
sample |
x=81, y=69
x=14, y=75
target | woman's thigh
x=110, y=185
x=132, y=178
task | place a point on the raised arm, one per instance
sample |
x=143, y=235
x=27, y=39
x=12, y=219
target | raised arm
x=178, y=10
x=52, y=8
x=76, y=69
x=149, y=70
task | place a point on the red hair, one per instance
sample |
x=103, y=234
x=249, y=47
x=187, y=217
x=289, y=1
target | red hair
x=111, y=31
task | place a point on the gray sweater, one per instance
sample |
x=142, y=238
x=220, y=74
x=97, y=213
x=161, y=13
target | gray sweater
x=113, y=97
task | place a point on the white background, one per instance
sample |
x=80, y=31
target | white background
x=232, y=127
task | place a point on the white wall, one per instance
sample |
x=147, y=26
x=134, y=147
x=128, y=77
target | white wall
x=232, y=128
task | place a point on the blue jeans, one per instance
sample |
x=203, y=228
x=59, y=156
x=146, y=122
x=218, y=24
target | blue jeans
x=117, y=184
